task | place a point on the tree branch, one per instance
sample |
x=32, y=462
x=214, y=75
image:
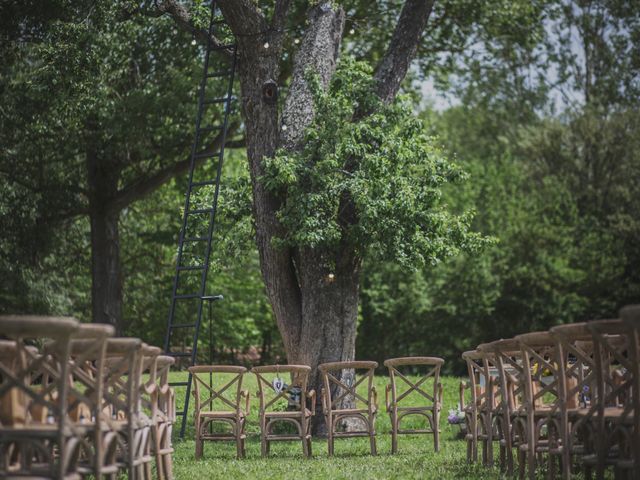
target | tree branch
x=393, y=66
x=183, y=20
x=146, y=185
x=318, y=53
x=280, y=15
x=243, y=17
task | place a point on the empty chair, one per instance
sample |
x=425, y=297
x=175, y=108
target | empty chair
x=542, y=400
x=481, y=413
x=427, y=386
x=37, y=439
x=508, y=361
x=274, y=393
x=613, y=346
x=340, y=390
x=571, y=433
x=122, y=404
x=86, y=375
x=234, y=413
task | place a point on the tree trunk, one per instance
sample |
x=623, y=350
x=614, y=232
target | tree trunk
x=106, y=274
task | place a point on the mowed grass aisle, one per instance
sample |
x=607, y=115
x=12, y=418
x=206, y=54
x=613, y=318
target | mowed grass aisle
x=416, y=458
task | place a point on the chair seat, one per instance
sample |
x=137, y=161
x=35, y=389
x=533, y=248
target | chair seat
x=288, y=414
x=616, y=413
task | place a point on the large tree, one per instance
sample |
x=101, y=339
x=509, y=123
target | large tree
x=338, y=167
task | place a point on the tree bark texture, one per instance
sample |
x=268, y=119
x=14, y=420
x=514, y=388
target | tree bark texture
x=106, y=273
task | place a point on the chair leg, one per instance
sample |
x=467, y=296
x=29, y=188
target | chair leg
x=522, y=463
x=239, y=452
x=372, y=441
x=309, y=447
x=305, y=447
x=329, y=424
x=394, y=432
x=436, y=433
x=263, y=445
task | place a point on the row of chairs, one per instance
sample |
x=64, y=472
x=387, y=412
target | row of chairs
x=566, y=399
x=347, y=394
x=77, y=402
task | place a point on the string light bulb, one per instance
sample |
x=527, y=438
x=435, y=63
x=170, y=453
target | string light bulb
x=193, y=42
x=266, y=45
x=296, y=41
x=284, y=128
x=352, y=31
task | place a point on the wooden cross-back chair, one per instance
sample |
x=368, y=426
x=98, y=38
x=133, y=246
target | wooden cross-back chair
x=337, y=388
x=615, y=367
x=235, y=412
x=401, y=388
x=542, y=375
x=36, y=438
x=148, y=386
x=571, y=432
x=509, y=364
x=631, y=316
x=86, y=384
x=164, y=415
x=122, y=405
x=480, y=412
x=296, y=397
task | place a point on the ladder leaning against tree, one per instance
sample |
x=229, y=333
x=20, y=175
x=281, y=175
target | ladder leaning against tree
x=194, y=247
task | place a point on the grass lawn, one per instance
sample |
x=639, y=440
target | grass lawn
x=416, y=458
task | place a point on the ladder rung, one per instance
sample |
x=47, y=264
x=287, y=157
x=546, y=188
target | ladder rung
x=183, y=325
x=185, y=297
x=178, y=384
x=191, y=267
x=206, y=155
x=217, y=100
x=200, y=210
x=179, y=414
x=219, y=74
x=203, y=184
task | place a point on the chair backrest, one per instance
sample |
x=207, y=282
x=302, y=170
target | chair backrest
x=34, y=386
x=229, y=375
x=86, y=372
x=577, y=377
x=148, y=382
x=36, y=381
x=482, y=385
x=165, y=397
x=509, y=363
x=341, y=381
x=274, y=392
x=426, y=385
x=542, y=371
x=613, y=345
x=123, y=372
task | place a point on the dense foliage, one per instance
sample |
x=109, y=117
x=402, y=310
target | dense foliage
x=385, y=162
